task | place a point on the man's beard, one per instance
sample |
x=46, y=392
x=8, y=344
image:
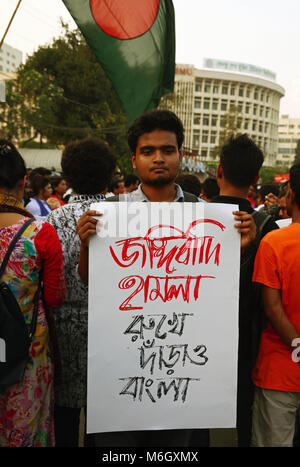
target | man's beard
x=159, y=181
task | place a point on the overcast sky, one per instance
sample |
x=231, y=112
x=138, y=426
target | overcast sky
x=258, y=32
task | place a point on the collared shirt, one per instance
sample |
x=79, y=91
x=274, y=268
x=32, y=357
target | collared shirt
x=139, y=195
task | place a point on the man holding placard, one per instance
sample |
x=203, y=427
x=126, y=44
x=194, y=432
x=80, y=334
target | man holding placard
x=155, y=141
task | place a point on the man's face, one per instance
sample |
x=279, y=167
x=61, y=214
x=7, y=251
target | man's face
x=157, y=158
x=120, y=190
x=283, y=208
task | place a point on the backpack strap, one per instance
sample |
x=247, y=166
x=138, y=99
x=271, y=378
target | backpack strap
x=189, y=197
x=35, y=310
x=43, y=209
x=260, y=219
x=2, y=269
x=13, y=244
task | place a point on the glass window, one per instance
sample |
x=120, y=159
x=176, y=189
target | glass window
x=197, y=104
x=206, y=104
x=205, y=138
x=203, y=152
x=232, y=90
x=207, y=86
x=197, y=120
x=215, y=89
x=241, y=91
x=224, y=105
x=195, y=140
x=214, y=121
x=224, y=89
x=198, y=87
x=205, y=120
x=215, y=104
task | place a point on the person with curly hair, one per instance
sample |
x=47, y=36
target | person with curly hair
x=88, y=166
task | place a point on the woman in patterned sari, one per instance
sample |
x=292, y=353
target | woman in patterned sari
x=26, y=408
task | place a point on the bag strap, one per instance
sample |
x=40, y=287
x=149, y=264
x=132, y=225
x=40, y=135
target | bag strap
x=35, y=310
x=13, y=244
x=2, y=269
x=260, y=219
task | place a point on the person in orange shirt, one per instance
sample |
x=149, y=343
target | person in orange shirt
x=276, y=373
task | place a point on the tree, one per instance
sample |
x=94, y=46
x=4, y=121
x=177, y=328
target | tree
x=61, y=94
x=297, y=153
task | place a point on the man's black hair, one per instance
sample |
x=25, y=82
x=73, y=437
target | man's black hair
x=295, y=182
x=12, y=165
x=131, y=179
x=267, y=189
x=88, y=165
x=37, y=183
x=41, y=171
x=189, y=183
x=155, y=120
x=115, y=184
x=241, y=160
x=210, y=187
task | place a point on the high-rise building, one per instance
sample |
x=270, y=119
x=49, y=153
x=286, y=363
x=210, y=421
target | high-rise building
x=203, y=97
x=288, y=136
x=10, y=58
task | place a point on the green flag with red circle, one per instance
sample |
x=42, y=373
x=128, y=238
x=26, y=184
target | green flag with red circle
x=134, y=41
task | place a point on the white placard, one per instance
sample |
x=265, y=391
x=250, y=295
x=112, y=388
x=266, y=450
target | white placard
x=163, y=317
x=2, y=351
x=284, y=222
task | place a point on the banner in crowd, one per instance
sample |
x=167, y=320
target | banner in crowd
x=163, y=317
x=134, y=41
x=280, y=178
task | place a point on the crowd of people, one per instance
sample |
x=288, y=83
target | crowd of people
x=43, y=408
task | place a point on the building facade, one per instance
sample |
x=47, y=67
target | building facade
x=10, y=59
x=288, y=136
x=203, y=97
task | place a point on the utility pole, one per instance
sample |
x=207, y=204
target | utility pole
x=11, y=20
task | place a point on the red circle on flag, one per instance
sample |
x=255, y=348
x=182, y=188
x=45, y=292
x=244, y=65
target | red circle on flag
x=124, y=19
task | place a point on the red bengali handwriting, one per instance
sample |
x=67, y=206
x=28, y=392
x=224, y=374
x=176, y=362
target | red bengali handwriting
x=160, y=288
x=167, y=251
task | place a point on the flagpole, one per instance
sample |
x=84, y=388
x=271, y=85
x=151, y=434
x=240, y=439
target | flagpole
x=11, y=20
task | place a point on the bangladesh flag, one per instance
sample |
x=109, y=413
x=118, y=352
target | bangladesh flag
x=134, y=40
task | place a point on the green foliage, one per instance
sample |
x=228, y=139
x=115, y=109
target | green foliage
x=62, y=94
x=267, y=173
